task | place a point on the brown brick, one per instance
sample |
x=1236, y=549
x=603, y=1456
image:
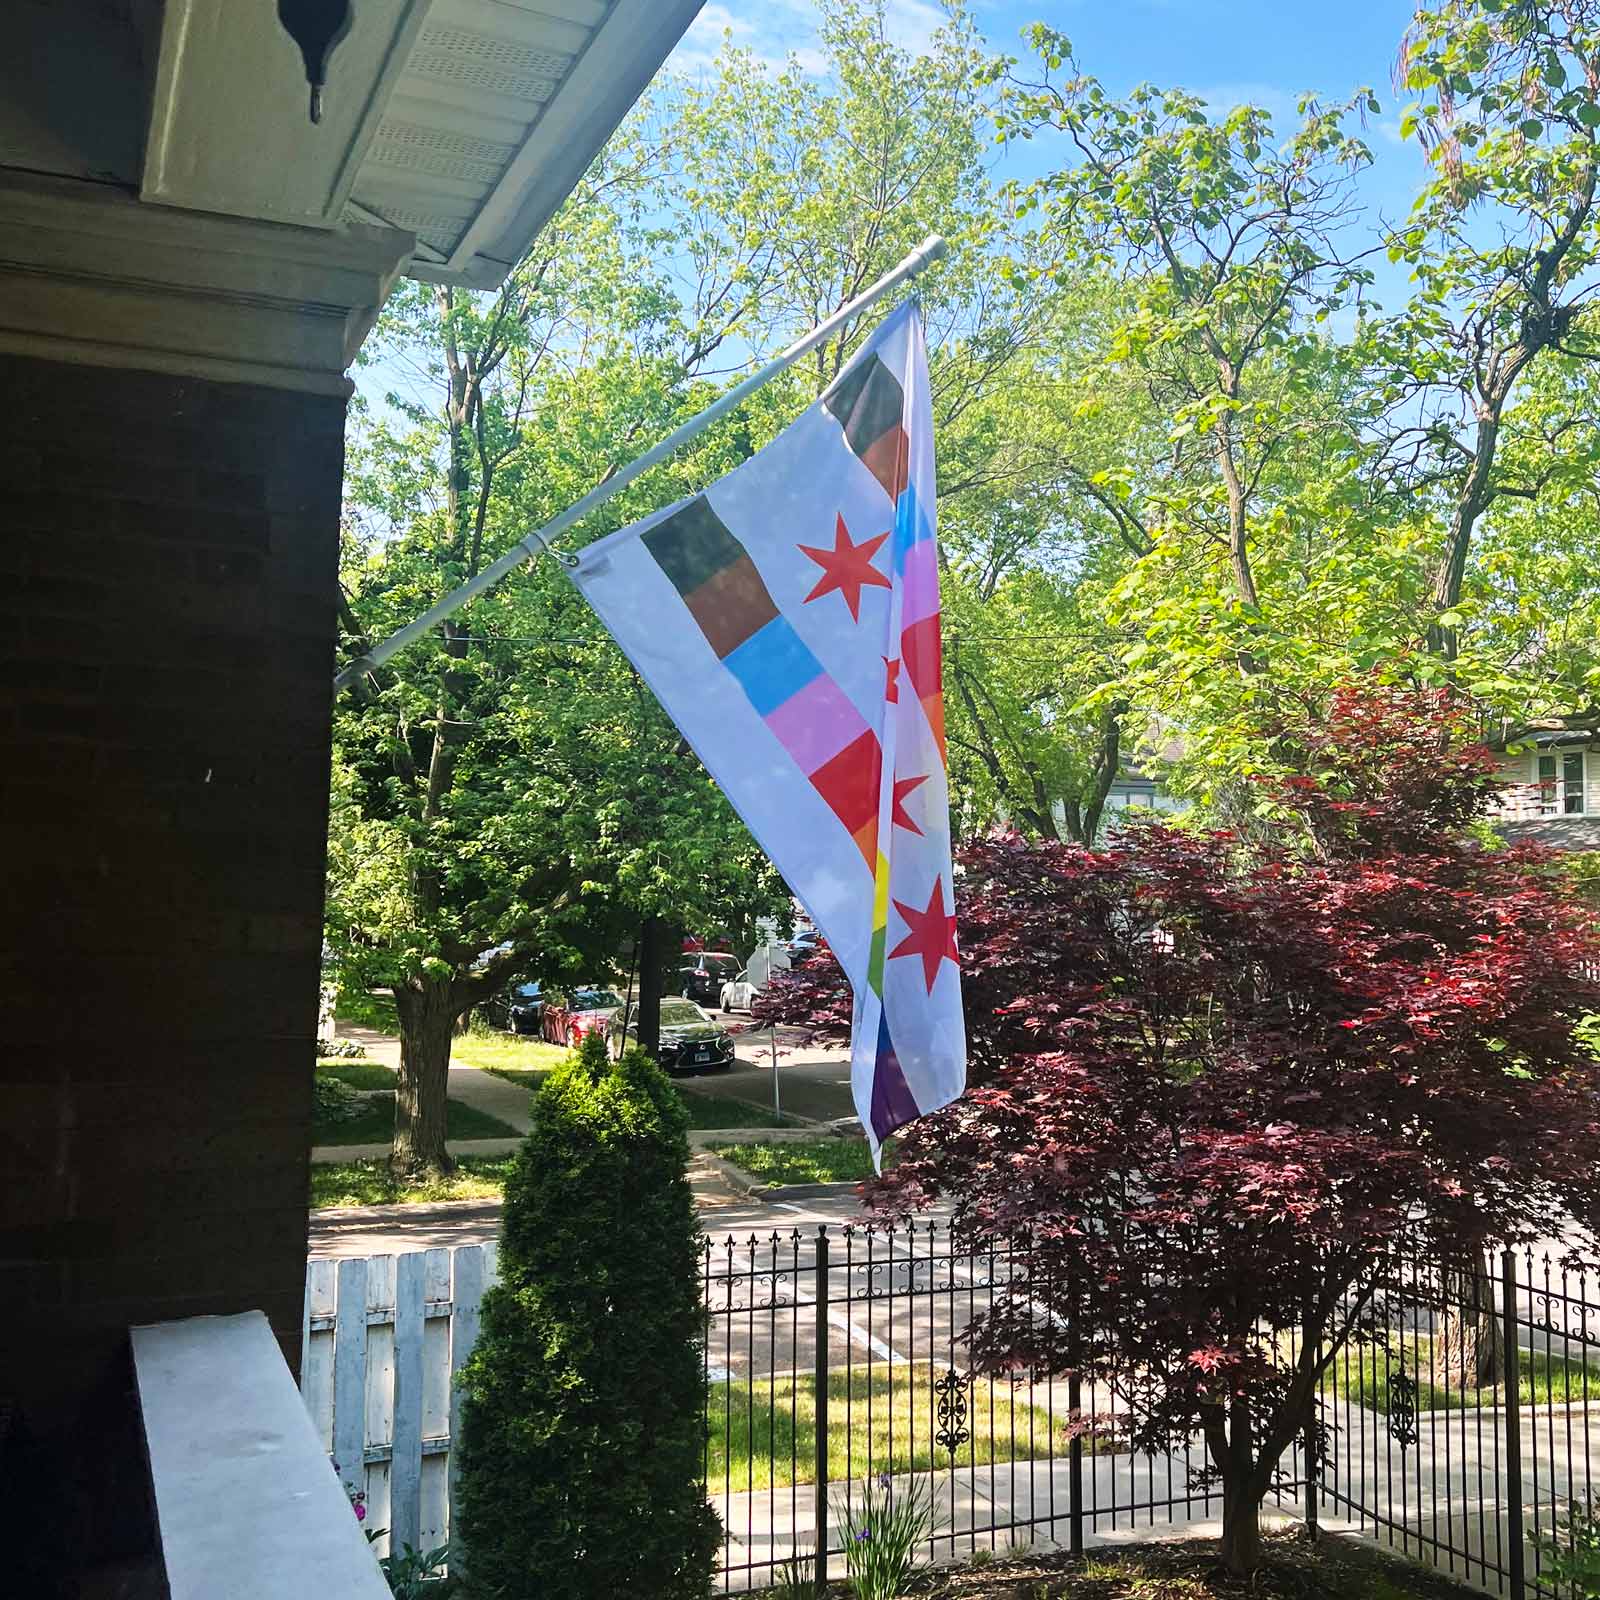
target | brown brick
x=167, y=623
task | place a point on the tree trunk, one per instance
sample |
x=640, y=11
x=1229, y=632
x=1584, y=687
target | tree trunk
x=1241, y=1529
x=1470, y=1346
x=652, y=934
x=427, y=1019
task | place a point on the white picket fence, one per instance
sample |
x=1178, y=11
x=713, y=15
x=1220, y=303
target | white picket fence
x=383, y=1339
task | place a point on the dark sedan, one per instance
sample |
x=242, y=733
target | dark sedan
x=690, y=1040
x=702, y=979
x=518, y=1010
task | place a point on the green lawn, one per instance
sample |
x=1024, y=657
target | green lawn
x=803, y=1160
x=705, y=1110
x=375, y=1125
x=358, y=1074
x=880, y=1419
x=1364, y=1376
x=367, y=1183
x=507, y=1054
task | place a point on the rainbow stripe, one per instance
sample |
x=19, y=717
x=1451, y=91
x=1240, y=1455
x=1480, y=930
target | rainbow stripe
x=869, y=405
x=808, y=713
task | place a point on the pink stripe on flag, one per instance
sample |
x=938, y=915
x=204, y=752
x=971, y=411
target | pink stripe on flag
x=919, y=583
x=815, y=724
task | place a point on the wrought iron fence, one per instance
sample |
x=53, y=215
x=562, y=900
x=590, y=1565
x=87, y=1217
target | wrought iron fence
x=835, y=1355
x=1463, y=1436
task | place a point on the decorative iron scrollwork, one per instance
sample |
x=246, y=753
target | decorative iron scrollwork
x=951, y=1389
x=1402, y=1407
x=770, y=1287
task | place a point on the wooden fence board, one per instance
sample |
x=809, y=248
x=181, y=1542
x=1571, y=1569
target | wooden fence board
x=350, y=1374
x=405, y=1462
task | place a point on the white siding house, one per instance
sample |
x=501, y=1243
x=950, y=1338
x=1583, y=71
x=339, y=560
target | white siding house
x=1552, y=791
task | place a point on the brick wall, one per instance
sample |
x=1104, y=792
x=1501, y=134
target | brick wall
x=167, y=567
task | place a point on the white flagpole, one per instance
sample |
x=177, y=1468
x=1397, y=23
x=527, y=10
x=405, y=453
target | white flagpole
x=535, y=544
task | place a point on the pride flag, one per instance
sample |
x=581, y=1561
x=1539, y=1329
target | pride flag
x=788, y=620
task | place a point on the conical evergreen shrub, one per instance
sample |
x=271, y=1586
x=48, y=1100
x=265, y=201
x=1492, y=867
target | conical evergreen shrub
x=582, y=1421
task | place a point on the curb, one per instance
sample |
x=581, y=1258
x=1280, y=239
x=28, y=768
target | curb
x=807, y=1191
x=741, y=1181
x=458, y=1209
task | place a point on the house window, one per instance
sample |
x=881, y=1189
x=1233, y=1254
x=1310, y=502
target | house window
x=1560, y=780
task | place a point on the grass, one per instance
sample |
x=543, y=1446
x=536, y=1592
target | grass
x=705, y=1110
x=368, y=1183
x=359, y=1074
x=803, y=1160
x=508, y=1055
x=880, y=1418
x=375, y=1125
x=1292, y=1569
x=1362, y=1375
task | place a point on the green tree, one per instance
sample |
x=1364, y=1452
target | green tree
x=1502, y=244
x=508, y=798
x=458, y=856
x=1304, y=499
x=582, y=1425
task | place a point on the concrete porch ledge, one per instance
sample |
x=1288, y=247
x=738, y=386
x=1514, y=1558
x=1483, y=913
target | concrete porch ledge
x=244, y=1497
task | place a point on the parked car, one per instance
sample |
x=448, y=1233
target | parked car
x=521, y=1008
x=569, y=1016
x=803, y=946
x=740, y=991
x=702, y=979
x=690, y=1040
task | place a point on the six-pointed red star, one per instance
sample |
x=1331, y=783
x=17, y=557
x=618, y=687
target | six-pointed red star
x=931, y=934
x=903, y=787
x=847, y=567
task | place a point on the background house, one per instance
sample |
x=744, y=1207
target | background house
x=188, y=265
x=1552, y=789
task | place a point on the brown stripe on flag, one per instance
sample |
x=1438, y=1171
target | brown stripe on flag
x=888, y=460
x=692, y=545
x=731, y=605
x=867, y=402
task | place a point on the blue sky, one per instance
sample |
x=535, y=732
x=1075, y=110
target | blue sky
x=1228, y=51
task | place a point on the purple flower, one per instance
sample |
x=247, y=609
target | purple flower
x=360, y=1510
x=865, y=1534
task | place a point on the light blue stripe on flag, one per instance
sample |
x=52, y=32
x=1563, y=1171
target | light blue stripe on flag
x=911, y=526
x=772, y=664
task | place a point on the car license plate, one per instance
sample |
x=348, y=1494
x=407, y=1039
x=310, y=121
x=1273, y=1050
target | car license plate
x=702, y=1052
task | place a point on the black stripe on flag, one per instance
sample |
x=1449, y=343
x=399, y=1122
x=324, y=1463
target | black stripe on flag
x=692, y=545
x=867, y=402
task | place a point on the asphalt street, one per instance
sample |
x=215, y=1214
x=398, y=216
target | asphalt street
x=813, y=1080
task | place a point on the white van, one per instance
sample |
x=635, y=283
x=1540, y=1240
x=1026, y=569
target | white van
x=739, y=993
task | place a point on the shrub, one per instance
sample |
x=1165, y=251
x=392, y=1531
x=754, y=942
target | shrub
x=582, y=1426
x=1570, y=1555
x=335, y=1103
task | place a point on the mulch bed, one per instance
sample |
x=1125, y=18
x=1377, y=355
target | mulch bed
x=1293, y=1569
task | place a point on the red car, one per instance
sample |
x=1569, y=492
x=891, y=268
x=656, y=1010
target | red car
x=569, y=1015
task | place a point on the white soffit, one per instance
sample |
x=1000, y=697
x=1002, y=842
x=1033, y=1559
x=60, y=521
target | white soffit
x=464, y=122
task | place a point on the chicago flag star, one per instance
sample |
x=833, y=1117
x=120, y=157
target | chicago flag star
x=788, y=620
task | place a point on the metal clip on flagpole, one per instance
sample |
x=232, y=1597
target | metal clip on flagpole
x=539, y=542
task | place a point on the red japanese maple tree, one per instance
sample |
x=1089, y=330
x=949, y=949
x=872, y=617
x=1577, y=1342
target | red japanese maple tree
x=1215, y=1081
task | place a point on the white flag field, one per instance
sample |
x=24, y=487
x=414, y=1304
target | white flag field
x=787, y=619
